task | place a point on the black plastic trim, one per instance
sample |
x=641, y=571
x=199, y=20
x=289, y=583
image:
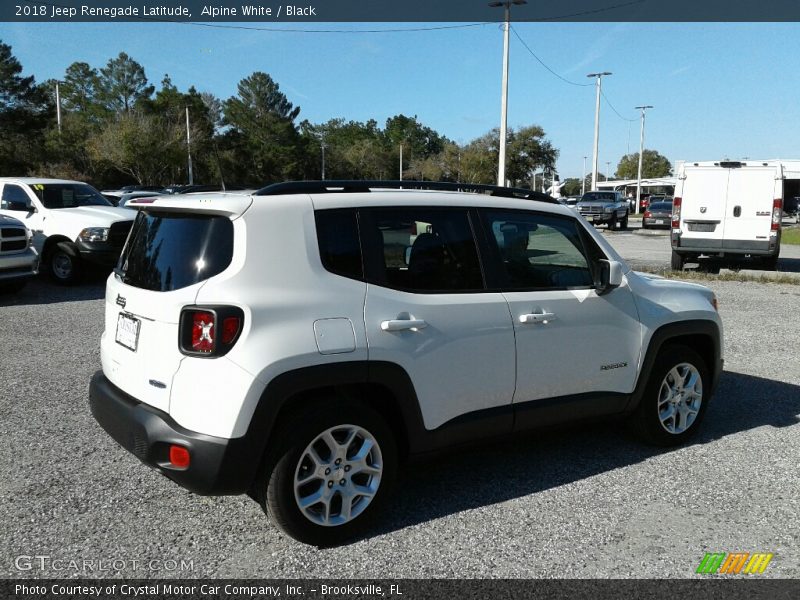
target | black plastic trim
x=218, y=466
x=366, y=186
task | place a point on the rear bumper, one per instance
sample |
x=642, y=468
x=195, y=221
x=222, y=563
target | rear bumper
x=218, y=466
x=686, y=245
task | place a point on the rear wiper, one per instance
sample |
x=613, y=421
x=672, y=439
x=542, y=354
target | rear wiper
x=119, y=272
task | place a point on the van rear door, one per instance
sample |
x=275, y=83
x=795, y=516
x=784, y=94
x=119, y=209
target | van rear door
x=748, y=214
x=704, y=193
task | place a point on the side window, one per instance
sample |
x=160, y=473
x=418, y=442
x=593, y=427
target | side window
x=421, y=250
x=14, y=197
x=538, y=252
x=339, y=245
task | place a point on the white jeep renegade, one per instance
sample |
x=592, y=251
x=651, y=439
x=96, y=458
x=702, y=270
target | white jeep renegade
x=299, y=343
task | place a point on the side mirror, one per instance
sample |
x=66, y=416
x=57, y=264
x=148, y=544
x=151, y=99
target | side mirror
x=609, y=276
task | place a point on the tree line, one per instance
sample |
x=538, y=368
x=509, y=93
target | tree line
x=118, y=128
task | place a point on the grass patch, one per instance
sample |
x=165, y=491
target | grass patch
x=741, y=276
x=791, y=235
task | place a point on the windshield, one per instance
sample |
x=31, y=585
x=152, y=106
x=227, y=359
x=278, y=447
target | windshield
x=68, y=195
x=598, y=197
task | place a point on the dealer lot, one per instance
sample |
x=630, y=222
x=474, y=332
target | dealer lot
x=580, y=502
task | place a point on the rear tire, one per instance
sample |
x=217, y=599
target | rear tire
x=303, y=467
x=677, y=261
x=675, y=397
x=769, y=264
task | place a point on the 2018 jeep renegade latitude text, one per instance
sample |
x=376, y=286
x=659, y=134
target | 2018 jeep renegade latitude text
x=300, y=343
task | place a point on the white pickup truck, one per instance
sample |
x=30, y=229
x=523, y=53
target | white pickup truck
x=71, y=222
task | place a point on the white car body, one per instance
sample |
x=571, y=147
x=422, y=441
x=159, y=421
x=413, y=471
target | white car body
x=482, y=355
x=731, y=209
x=54, y=225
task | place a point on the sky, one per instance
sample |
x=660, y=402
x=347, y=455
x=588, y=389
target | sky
x=719, y=90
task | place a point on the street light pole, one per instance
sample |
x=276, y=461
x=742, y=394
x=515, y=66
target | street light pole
x=58, y=107
x=583, y=179
x=501, y=167
x=322, y=145
x=598, y=77
x=608, y=168
x=641, y=152
x=189, y=148
x=401, y=162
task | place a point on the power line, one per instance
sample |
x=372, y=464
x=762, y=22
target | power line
x=541, y=62
x=614, y=109
x=592, y=11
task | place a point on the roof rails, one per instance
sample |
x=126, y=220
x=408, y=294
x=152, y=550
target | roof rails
x=366, y=186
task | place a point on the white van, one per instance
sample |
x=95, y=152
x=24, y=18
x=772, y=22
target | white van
x=731, y=210
x=72, y=224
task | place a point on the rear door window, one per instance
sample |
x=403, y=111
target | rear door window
x=418, y=249
x=170, y=251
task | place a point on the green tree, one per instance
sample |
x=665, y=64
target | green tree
x=653, y=165
x=262, y=138
x=572, y=187
x=123, y=83
x=143, y=146
x=24, y=112
x=528, y=151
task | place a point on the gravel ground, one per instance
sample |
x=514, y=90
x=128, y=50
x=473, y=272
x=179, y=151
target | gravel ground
x=588, y=502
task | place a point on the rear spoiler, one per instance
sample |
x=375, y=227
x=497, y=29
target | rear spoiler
x=229, y=205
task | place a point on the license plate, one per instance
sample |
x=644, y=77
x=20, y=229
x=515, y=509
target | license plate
x=659, y=221
x=128, y=331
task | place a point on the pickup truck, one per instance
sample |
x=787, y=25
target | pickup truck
x=610, y=208
x=18, y=260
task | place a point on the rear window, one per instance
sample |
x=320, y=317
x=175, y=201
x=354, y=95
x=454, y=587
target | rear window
x=661, y=206
x=170, y=251
x=599, y=197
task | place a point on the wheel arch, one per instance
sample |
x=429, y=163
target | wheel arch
x=383, y=386
x=702, y=336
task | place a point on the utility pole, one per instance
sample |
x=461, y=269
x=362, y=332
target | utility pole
x=641, y=152
x=608, y=168
x=401, y=162
x=501, y=167
x=189, y=147
x=598, y=77
x=322, y=145
x=58, y=107
x=583, y=179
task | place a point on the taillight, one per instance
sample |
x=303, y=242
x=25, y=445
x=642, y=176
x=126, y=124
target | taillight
x=676, y=213
x=777, y=214
x=647, y=214
x=209, y=331
x=203, y=331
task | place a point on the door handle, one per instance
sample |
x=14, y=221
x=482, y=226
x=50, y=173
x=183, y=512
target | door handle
x=403, y=324
x=543, y=318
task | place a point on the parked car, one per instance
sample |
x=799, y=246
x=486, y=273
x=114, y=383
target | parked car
x=729, y=211
x=128, y=196
x=18, y=260
x=658, y=215
x=610, y=208
x=301, y=343
x=71, y=222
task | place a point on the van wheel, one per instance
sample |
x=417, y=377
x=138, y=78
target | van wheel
x=675, y=397
x=64, y=264
x=769, y=264
x=677, y=261
x=330, y=474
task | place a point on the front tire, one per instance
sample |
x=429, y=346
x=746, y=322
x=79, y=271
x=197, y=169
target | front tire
x=675, y=397
x=624, y=223
x=64, y=264
x=330, y=474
